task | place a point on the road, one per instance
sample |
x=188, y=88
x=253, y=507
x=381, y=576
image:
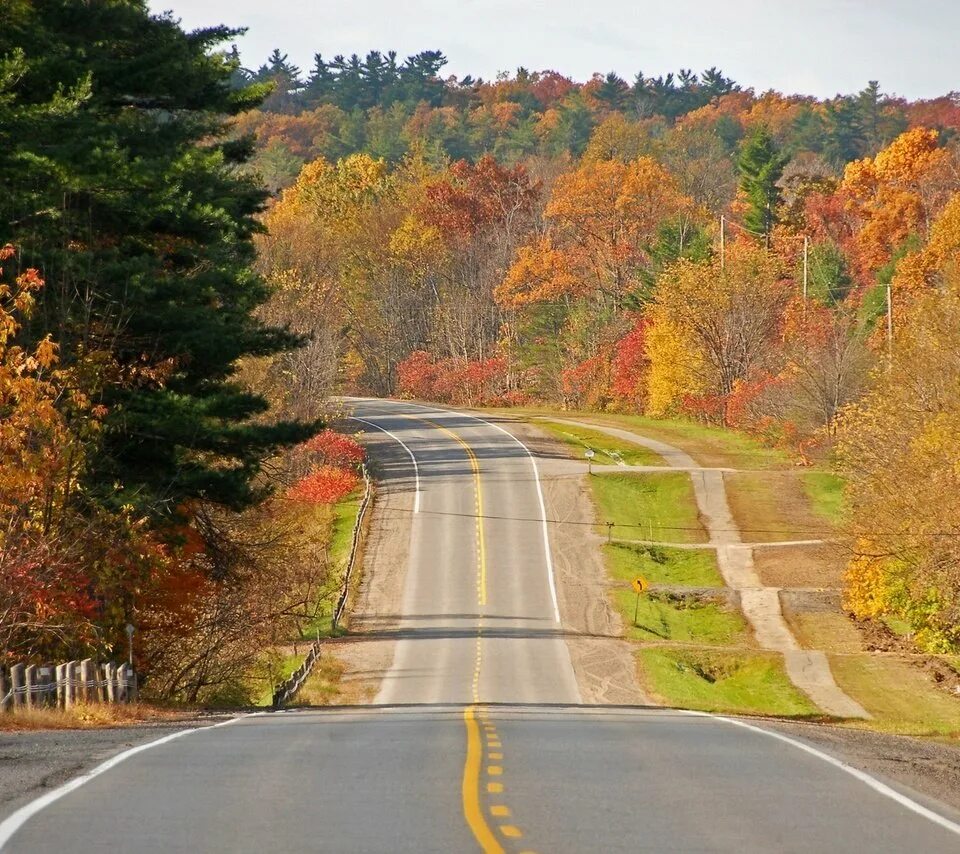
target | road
x=477, y=739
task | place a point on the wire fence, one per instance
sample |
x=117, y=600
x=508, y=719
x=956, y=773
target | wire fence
x=25, y=686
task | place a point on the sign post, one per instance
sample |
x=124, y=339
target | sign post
x=130, y=631
x=640, y=585
x=589, y=454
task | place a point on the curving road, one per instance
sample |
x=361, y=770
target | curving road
x=477, y=739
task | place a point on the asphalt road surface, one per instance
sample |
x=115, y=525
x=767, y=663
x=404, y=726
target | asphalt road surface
x=477, y=739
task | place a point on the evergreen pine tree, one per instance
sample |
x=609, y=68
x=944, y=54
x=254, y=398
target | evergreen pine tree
x=133, y=205
x=761, y=167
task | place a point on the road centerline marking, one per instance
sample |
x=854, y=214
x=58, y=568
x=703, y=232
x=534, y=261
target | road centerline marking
x=475, y=716
x=471, y=787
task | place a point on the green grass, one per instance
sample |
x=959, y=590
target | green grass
x=659, y=507
x=344, y=518
x=687, y=621
x=609, y=451
x=663, y=565
x=710, y=446
x=825, y=491
x=901, y=697
x=729, y=682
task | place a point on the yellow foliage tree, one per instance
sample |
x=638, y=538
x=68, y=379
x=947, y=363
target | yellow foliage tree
x=941, y=252
x=899, y=450
x=715, y=325
x=676, y=367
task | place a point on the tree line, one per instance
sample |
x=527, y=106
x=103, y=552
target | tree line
x=385, y=107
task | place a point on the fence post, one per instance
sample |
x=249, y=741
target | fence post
x=4, y=702
x=109, y=676
x=17, y=680
x=87, y=673
x=120, y=677
x=70, y=685
x=30, y=683
x=60, y=700
x=45, y=679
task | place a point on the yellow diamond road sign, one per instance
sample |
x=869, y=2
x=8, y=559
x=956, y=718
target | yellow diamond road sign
x=640, y=584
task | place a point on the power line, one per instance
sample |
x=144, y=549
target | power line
x=832, y=532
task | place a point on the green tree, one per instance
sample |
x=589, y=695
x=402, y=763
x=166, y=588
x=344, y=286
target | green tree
x=135, y=206
x=761, y=167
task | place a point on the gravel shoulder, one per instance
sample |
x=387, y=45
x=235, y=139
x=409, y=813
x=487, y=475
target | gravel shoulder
x=366, y=652
x=927, y=766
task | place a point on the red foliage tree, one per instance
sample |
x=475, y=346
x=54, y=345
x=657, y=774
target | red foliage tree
x=629, y=367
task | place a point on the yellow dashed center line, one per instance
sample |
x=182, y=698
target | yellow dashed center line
x=473, y=767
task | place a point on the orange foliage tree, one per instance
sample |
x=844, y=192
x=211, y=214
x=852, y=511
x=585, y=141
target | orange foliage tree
x=602, y=218
x=897, y=193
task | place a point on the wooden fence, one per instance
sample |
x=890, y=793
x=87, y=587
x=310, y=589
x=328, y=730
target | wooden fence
x=355, y=544
x=288, y=689
x=64, y=685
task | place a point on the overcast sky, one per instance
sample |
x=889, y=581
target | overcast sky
x=817, y=47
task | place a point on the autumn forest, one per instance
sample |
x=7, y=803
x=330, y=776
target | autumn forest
x=199, y=256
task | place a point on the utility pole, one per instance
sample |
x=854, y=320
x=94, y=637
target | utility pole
x=806, y=253
x=890, y=323
x=723, y=243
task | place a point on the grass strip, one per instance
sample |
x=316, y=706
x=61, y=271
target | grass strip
x=608, y=450
x=663, y=564
x=726, y=682
x=658, y=507
x=901, y=697
x=665, y=617
x=825, y=491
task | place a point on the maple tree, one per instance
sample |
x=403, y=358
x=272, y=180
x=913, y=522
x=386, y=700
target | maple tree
x=897, y=193
x=602, y=218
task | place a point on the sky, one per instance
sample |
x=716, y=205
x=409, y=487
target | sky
x=813, y=47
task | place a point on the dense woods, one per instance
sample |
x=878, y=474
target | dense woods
x=197, y=255
x=679, y=246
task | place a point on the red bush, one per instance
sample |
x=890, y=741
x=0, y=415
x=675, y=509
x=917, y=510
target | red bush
x=335, y=449
x=325, y=485
x=470, y=382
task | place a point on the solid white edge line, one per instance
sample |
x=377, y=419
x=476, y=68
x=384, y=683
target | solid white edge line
x=536, y=478
x=10, y=825
x=413, y=459
x=862, y=776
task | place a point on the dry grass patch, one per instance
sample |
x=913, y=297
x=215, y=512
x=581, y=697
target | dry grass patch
x=92, y=716
x=771, y=506
x=819, y=566
x=831, y=632
x=326, y=685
